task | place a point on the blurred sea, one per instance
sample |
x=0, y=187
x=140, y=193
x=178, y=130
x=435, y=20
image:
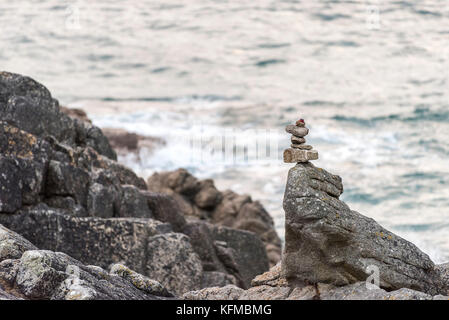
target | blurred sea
x=371, y=78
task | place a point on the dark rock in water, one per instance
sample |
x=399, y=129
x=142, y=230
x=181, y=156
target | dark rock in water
x=21, y=97
x=124, y=142
x=328, y=242
x=200, y=199
x=76, y=114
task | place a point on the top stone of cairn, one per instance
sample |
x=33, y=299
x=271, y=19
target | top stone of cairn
x=299, y=150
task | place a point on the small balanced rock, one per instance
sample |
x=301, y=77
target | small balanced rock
x=299, y=151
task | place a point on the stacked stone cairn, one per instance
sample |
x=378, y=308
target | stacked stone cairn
x=299, y=150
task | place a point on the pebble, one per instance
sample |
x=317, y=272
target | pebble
x=301, y=146
x=297, y=155
x=297, y=140
x=297, y=131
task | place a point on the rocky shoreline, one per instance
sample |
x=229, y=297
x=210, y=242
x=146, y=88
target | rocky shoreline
x=75, y=224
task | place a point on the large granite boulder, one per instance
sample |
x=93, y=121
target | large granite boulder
x=327, y=242
x=200, y=199
x=28, y=273
x=145, y=245
x=28, y=105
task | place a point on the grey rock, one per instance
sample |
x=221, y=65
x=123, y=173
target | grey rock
x=12, y=246
x=8, y=271
x=293, y=155
x=217, y=279
x=328, y=242
x=201, y=200
x=91, y=240
x=23, y=165
x=10, y=190
x=272, y=278
x=440, y=297
x=102, y=200
x=301, y=146
x=297, y=140
x=5, y=295
x=68, y=205
x=140, y=282
x=54, y=275
x=359, y=291
x=133, y=203
x=172, y=261
x=266, y=293
x=443, y=270
x=303, y=293
x=66, y=179
x=299, y=132
x=165, y=209
x=249, y=252
x=229, y=292
x=43, y=274
x=21, y=97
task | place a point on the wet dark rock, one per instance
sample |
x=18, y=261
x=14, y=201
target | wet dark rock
x=124, y=142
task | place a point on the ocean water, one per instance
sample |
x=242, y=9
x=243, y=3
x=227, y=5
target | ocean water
x=371, y=78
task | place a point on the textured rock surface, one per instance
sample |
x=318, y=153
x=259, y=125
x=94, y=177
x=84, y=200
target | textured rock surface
x=200, y=199
x=90, y=240
x=12, y=246
x=359, y=291
x=21, y=97
x=296, y=154
x=229, y=292
x=43, y=274
x=271, y=286
x=140, y=282
x=328, y=242
x=147, y=246
x=172, y=261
